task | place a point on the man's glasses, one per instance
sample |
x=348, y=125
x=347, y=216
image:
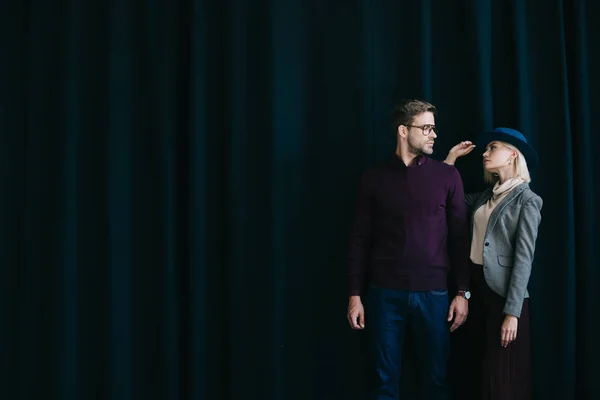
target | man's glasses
x=427, y=129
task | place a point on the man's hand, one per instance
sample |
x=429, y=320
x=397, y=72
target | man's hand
x=356, y=313
x=459, y=309
x=508, y=332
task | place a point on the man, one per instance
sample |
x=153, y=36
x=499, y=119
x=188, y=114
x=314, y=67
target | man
x=410, y=229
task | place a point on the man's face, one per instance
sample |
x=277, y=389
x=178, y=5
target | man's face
x=420, y=135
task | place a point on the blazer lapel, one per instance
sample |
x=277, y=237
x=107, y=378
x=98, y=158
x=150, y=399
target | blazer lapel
x=502, y=205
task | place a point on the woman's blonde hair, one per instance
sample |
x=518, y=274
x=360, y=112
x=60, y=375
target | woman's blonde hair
x=520, y=167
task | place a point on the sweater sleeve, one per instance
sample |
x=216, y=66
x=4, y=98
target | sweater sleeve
x=360, y=237
x=458, y=231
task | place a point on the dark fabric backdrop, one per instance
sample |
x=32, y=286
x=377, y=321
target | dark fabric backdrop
x=178, y=179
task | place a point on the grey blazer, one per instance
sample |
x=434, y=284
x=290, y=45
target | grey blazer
x=509, y=244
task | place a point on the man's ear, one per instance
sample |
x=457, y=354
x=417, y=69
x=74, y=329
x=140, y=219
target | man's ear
x=402, y=131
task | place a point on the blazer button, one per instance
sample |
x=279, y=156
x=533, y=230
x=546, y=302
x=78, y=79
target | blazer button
x=487, y=243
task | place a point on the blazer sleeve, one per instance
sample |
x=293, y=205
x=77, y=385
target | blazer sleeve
x=527, y=231
x=471, y=199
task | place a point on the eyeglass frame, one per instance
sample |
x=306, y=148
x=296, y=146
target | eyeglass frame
x=432, y=128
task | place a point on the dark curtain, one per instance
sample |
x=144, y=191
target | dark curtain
x=177, y=182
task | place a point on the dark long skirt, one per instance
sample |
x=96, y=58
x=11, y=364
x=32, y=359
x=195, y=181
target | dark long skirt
x=496, y=372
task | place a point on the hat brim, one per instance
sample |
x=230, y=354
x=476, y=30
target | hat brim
x=528, y=152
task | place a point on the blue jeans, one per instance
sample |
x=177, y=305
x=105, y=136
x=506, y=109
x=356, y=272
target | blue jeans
x=392, y=315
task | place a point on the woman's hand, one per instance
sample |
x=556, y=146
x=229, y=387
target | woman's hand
x=508, y=332
x=461, y=149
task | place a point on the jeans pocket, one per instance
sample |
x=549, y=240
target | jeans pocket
x=439, y=292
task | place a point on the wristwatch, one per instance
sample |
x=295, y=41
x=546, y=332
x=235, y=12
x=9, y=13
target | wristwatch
x=464, y=293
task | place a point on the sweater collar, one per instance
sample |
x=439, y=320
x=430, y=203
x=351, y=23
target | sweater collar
x=417, y=161
x=506, y=187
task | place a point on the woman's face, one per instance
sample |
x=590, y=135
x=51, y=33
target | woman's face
x=498, y=156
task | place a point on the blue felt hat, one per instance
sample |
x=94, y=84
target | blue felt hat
x=511, y=136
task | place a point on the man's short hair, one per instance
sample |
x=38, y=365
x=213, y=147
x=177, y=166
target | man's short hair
x=406, y=111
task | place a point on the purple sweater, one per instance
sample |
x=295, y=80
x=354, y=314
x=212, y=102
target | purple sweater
x=410, y=228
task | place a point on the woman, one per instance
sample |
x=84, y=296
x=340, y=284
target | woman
x=504, y=224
